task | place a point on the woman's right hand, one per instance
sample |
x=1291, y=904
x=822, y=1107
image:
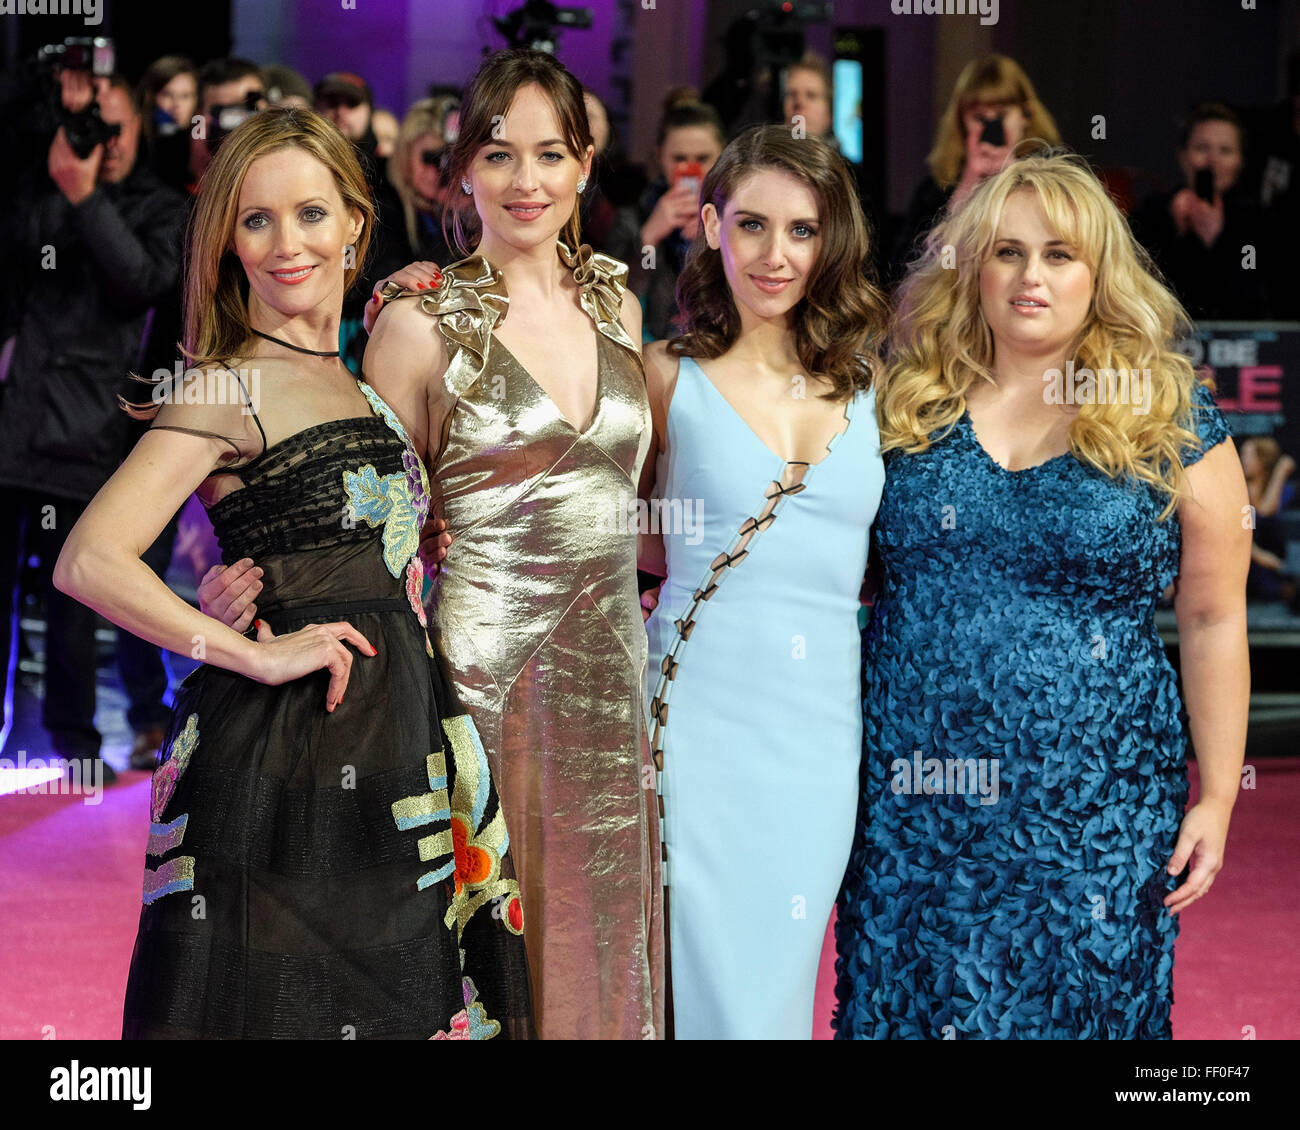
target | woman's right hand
x=313, y=648
x=982, y=161
x=421, y=275
x=226, y=593
x=434, y=540
x=676, y=209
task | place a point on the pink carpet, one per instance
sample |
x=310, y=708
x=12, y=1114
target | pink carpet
x=70, y=898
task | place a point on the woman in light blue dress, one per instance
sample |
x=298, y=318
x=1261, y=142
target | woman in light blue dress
x=768, y=477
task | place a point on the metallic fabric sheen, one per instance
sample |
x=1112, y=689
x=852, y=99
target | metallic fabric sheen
x=536, y=611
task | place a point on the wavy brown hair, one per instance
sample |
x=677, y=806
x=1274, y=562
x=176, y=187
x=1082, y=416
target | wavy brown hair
x=841, y=317
x=487, y=101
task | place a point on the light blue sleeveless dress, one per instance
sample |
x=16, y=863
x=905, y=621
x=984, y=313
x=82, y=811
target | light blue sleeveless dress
x=754, y=706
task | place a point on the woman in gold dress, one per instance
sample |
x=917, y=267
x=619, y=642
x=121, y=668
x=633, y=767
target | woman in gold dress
x=517, y=375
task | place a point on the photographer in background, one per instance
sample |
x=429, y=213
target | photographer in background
x=667, y=217
x=416, y=192
x=1197, y=234
x=90, y=253
x=992, y=109
x=230, y=90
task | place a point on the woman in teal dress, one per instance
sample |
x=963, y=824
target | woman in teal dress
x=769, y=473
x=1052, y=466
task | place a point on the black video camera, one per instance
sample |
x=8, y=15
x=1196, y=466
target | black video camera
x=87, y=129
x=94, y=56
x=225, y=119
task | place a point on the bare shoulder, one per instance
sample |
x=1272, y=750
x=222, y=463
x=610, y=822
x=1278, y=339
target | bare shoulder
x=661, y=366
x=664, y=362
x=213, y=403
x=408, y=339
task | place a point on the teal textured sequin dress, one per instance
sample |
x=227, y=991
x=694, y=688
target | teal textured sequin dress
x=1023, y=775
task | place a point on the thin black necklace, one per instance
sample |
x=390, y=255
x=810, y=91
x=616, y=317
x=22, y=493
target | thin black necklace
x=290, y=345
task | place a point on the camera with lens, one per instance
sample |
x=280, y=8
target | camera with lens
x=86, y=129
x=95, y=57
x=224, y=119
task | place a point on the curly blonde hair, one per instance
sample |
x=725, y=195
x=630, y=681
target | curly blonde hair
x=940, y=342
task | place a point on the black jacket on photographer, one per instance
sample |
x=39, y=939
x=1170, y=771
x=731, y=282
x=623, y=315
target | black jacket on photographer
x=81, y=326
x=1209, y=281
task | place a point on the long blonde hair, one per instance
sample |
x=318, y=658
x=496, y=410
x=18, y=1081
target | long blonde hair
x=940, y=342
x=216, y=288
x=992, y=79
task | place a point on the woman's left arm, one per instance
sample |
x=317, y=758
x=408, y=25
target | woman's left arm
x=1210, y=602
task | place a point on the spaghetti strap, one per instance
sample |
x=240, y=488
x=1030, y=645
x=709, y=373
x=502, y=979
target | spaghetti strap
x=207, y=433
x=248, y=400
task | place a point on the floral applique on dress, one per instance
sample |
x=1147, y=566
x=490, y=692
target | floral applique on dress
x=399, y=503
x=471, y=1022
x=176, y=874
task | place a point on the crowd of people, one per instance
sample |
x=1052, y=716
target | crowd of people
x=430, y=568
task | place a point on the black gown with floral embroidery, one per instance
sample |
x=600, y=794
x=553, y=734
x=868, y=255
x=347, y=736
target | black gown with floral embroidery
x=329, y=875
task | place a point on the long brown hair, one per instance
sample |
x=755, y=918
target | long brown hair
x=487, y=101
x=841, y=318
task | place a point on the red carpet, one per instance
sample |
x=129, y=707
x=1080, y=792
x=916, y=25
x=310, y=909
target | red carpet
x=70, y=879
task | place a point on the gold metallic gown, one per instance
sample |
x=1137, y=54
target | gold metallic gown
x=536, y=610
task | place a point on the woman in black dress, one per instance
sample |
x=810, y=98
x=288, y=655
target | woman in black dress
x=327, y=857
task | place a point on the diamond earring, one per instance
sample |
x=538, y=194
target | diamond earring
x=464, y=186
x=582, y=184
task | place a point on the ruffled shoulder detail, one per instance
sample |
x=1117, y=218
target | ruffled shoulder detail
x=472, y=299
x=601, y=281
x=467, y=304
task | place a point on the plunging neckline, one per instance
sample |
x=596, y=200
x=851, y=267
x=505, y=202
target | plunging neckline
x=830, y=444
x=597, y=408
